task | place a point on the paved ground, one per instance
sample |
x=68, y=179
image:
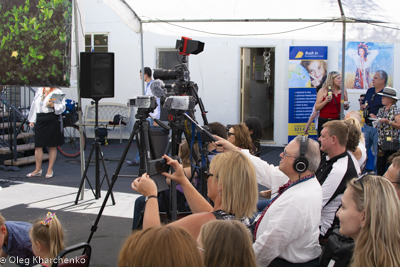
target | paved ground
x=23, y=199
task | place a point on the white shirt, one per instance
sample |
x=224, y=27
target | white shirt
x=267, y=174
x=363, y=149
x=39, y=106
x=156, y=113
x=290, y=228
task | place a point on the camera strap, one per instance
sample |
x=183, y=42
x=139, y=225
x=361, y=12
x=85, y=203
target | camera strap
x=203, y=158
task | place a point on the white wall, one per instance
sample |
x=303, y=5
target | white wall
x=216, y=70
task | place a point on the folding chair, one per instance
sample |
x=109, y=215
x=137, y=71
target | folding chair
x=80, y=261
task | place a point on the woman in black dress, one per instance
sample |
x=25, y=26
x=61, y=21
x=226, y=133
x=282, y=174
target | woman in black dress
x=45, y=116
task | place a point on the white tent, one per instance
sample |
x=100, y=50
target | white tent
x=237, y=24
x=375, y=20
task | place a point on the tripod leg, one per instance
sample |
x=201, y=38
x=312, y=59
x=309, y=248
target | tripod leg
x=106, y=174
x=84, y=176
x=113, y=180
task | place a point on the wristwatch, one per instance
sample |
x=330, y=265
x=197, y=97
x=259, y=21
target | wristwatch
x=147, y=198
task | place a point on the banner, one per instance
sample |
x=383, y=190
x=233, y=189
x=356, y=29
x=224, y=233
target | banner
x=307, y=71
x=35, y=44
x=363, y=60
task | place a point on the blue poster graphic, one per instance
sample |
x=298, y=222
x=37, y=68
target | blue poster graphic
x=307, y=70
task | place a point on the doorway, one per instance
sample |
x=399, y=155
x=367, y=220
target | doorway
x=257, y=74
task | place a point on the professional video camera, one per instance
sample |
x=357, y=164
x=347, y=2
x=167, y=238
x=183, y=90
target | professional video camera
x=181, y=74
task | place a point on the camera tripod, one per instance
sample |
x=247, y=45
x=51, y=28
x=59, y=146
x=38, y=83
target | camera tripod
x=96, y=147
x=142, y=127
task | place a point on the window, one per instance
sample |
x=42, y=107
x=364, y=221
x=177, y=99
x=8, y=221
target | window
x=97, y=42
x=168, y=58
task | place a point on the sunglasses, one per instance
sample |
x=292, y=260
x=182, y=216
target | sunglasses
x=359, y=179
x=373, y=96
x=229, y=134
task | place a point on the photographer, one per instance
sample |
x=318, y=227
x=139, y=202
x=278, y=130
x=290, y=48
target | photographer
x=371, y=104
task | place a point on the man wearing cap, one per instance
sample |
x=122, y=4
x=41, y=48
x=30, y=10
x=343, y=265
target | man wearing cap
x=371, y=104
x=388, y=128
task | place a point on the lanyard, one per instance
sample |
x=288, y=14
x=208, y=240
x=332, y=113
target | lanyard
x=282, y=190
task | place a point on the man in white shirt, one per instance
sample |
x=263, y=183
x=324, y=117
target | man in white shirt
x=287, y=232
x=148, y=80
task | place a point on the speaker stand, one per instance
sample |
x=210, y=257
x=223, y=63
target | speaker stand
x=96, y=146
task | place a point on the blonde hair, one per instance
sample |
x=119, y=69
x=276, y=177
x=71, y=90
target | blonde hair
x=49, y=235
x=355, y=118
x=2, y=220
x=167, y=246
x=227, y=243
x=329, y=79
x=242, y=137
x=237, y=178
x=378, y=242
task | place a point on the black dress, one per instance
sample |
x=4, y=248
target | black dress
x=48, y=130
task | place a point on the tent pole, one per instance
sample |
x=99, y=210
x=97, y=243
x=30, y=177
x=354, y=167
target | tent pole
x=343, y=58
x=79, y=94
x=141, y=50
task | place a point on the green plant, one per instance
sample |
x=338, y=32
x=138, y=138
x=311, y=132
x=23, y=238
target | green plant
x=35, y=38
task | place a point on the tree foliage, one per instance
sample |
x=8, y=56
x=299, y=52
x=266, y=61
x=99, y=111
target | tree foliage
x=35, y=42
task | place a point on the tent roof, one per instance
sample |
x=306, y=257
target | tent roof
x=244, y=18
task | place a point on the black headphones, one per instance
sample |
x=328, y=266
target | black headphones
x=300, y=164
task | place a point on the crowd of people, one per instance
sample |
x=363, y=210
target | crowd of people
x=318, y=188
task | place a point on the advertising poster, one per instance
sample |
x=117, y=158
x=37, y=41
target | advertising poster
x=363, y=60
x=307, y=70
x=35, y=42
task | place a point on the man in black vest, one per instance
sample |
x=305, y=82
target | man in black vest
x=337, y=167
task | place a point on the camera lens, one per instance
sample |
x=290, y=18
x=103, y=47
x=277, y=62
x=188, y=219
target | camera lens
x=164, y=74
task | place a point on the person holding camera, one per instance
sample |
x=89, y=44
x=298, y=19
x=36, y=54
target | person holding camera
x=371, y=104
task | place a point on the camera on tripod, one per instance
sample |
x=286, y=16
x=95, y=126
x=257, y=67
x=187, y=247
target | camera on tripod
x=143, y=102
x=180, y=102
x=181, y=74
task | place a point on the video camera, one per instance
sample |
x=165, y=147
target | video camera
x=181, y=74
x=144, y=103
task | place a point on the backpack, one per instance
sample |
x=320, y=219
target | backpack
x=338, y=250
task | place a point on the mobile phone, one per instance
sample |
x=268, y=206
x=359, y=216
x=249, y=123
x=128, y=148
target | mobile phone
x=158, y=166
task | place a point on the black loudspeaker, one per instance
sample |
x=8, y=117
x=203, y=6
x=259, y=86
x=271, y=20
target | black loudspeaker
x=300, y=164
x=97, y=75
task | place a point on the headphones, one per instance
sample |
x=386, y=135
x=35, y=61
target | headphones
x=300, y=164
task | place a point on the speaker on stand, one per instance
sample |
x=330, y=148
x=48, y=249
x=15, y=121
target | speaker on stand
x=96, y=81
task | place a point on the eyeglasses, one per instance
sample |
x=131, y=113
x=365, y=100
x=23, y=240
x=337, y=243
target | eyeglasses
x=229, y=134
x=287, y=155
x=208, y=174
x=390, y=181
